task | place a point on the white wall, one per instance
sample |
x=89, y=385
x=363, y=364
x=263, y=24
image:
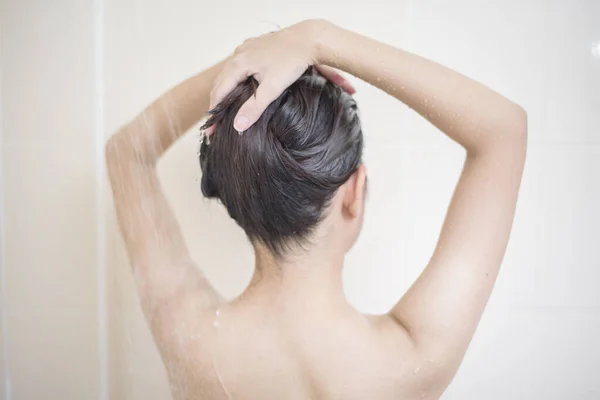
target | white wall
x=539, y=336
x=48, y=163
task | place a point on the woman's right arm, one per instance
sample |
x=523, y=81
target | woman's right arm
x=443, y=307
x=467, y=111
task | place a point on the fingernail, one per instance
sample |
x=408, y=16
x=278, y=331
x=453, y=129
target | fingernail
x=241, y=123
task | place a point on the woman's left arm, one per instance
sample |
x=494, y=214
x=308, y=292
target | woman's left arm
x=168, y=282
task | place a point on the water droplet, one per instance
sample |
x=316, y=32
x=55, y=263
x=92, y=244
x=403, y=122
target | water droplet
x=378, y=79
x=425, y=101
x=416, y=370
x=216, y=321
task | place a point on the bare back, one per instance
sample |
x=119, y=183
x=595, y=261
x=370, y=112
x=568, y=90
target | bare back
x=248, y=352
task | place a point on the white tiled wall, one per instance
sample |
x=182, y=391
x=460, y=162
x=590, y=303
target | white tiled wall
x=539, y=337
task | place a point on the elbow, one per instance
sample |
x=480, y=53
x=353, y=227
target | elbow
x=519, y=124
x=113, y=156
x=110, y=149
x=510, y=126
x=508, y=133
x=502, y=131
x=114, y=151
x=510, y=141
x=514, y=124
x=119, y=155
x=518, y=133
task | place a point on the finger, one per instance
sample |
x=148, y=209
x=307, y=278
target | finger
x=335, y=77
x=232, y=74
x=330, y=73
x=210, y=130
x=348, y=87
x=253, y=108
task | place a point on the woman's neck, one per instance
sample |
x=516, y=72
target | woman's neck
x=312, y=279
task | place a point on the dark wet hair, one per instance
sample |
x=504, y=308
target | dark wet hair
x=277, y=178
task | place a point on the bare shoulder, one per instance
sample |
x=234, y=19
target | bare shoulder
x=420, y=375
x=186, y=334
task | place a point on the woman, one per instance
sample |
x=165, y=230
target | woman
x=282, y=152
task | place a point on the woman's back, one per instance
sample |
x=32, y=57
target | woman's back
x=283, y=350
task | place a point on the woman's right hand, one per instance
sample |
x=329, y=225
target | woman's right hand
x=276, y=60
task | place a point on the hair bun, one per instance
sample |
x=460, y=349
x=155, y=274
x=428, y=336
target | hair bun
x=278, y=177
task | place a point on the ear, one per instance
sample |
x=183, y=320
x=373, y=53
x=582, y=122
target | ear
x=354, y=196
